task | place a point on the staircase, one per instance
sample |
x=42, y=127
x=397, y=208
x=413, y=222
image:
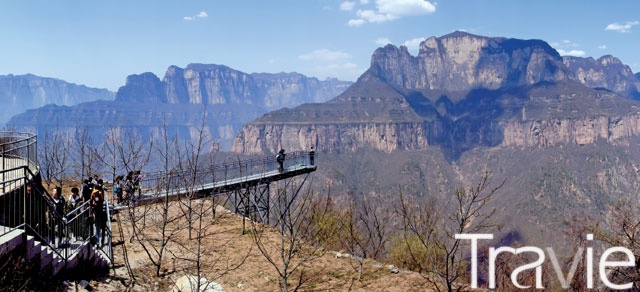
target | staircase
x=51, y=262
x=28, y=218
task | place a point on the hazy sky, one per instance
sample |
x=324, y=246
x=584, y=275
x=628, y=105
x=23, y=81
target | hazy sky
x=100, y=43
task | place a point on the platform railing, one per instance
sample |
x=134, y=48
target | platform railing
x=17, y=150
x=25, y=204
x=230, y=169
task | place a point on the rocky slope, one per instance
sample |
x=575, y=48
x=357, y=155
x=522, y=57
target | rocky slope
x=228, y=97
x=558, y=129
x=461, y=91
x=606, y=72
x=19, y=93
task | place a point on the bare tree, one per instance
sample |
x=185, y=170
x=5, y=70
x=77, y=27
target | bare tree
x=430, y=228
x=297, y=238
x=623, y=229
x=191, y=170
x=155, y=226
x=367, y=229
x=109, y=151
x=87, y=156
x=55, y=156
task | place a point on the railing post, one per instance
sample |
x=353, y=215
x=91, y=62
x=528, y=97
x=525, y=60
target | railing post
x=3, y=168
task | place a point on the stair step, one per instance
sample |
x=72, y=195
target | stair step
x=46, y=257
x=10, y=241
x=34, y=251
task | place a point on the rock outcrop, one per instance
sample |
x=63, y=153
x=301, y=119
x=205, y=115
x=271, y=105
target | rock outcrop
x=460, y=92
x=218, y=84
x=19, y=93
x=225, y=98
x=606, y=72
x=461, y=61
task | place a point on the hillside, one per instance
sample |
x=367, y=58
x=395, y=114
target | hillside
x=557, y=129
x=327, y=272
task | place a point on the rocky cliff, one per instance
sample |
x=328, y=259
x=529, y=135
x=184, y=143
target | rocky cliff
x=561, y=131
x=224, y=97
x=605, y=72
x=19, y=93
x=460, y=92
x=218, y=84
x=461, y=61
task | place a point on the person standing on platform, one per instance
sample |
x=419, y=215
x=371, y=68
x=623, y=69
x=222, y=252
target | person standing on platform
x=312, y=155
x=280, y=159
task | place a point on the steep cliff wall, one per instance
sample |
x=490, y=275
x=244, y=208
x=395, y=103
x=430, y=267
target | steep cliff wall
x=19, y=93
x=461, y=92
x=605, y=72
x=461, y=61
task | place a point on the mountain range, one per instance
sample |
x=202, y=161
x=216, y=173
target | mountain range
x=19, y=93
x=563, y=131
x=225, y=98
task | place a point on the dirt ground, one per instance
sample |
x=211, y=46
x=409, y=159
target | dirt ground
x=225, y=247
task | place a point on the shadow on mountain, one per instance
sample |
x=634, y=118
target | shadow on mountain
x=462, y=126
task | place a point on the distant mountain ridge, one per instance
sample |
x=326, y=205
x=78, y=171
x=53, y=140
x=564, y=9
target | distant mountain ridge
x=145, y=102
x=605, y=72
x=562, y=130
x=461, y=91
x=19, y=93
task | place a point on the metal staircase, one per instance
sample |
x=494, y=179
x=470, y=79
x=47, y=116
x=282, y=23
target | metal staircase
x=31, y=231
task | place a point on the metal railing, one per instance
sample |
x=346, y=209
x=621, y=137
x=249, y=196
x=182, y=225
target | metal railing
x=17, y=149
x=25, y=204
x=230, y=169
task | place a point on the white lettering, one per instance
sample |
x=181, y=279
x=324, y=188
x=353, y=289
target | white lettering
x=474, y=253
x=604, y=264
x=564, y=282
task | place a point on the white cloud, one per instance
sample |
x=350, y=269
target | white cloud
x=347, y=5
x=202, y=14
x=356, y=22
x=569, y=43
x=342, y=71
x=568, y=48
x=574, y=53
x=626, y=27
x=602, y=47
x=388, y=10
x=401, y=8
x=324, y=55
x=383, y=41
x=327, y=63
x=413, y=45
x=373, y=16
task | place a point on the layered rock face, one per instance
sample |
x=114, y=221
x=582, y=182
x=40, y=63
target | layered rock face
x=218, y=84
x=606, y=72
x=19, y=93
x=462, y=91
x=222, y=97
x=460, y=61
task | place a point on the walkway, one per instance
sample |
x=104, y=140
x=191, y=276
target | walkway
x=223, y=178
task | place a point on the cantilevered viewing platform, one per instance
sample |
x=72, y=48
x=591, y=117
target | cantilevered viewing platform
x=223, y=178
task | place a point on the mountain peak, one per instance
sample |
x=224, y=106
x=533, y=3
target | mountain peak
x=461, y=34
x=461, y=61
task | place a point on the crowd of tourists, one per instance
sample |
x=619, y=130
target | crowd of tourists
x=91, y=196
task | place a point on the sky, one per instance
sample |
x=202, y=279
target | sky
x=100, y=43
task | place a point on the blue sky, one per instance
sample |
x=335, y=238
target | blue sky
x=100, y=43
